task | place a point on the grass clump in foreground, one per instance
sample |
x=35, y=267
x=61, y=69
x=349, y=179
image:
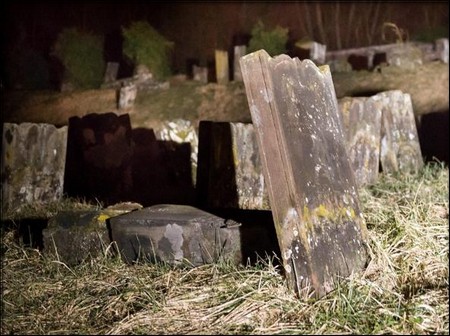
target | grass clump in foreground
x=404, y=289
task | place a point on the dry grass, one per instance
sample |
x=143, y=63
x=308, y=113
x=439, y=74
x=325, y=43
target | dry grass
x=404, y=289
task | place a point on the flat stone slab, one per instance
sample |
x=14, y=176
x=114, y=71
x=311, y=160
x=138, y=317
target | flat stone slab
x=175, y=234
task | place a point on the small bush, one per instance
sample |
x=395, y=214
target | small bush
x=144, y=45
x=81, y=54
x=272, y=41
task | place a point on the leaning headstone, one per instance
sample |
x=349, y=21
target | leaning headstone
x=112, y=68
x=221, y=58
x=400, y=148
x=127, y=96
x=239, y=51
x=177, y=235
x=200, y=74
x=229, y=167
x=311, y=184
x=406, y=56
x=361, y=120
x=32, y=164
x=99, y=154
x=316, y=52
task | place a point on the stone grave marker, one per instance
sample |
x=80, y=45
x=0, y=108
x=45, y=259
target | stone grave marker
x=311, y=184
x=99, y=157
x=239, y=51
x=222, y=69
x=400, y=148
x=176, y=234
x=112, y=69
x=32, y=164
x=200, y=74
x=361, y=120
x=229, y=171
x=127, y=96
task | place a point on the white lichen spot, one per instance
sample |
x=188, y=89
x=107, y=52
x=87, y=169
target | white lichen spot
x=295, y=232
x=287, y=254
x=267, y=95
x=317, y=168
x=288, y=269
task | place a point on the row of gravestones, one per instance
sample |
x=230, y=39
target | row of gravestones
x=100, y=157
x=310, y=149
x=407, y=56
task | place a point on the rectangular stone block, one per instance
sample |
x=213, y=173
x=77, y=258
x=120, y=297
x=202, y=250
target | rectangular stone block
x=239, y=51
x=32, y=164
x=400, y=148
x=222, y=68
x=229, y=167
x=311, y=184
x=177, y=235
x=200, y=74
x=112, y=68
x=361, y=120
x=77, y=236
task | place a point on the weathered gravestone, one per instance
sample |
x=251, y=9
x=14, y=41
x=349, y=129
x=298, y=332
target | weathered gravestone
x=311, y=185
x=177, y=235
x=112, y=68
x=400, y=147
x=200, y=74
x=76, y=236
x=222, y=75
x=99, y=153
x=229, y=171
x=32, y=164
x=361, y=120
x=127, y=96
x=239, y=51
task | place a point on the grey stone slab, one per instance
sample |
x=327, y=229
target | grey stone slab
x=311, y=184
x=112, y=68
x=74, y=237
x=230, y=170
x=239, y=51
x=361, y=119
x=32, y=164
x=222, y=67
x=400, y=148
x=177, y=235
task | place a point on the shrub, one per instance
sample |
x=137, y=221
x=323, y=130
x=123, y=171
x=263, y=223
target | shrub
x=272, y=41
x=144, y=45
x=81, y=54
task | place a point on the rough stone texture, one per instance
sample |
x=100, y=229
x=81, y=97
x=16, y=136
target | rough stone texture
x=127, y=96
x=400, y=147
x=311, y=185
x=176, y=234
x=112, y=68
x=230, y=172
x=182, y=131
x=361, y=120
x=99, y=154
x=406, y=56
x=200, y=73
x=222, y=69
x=239, y=51
x=76, y=236
x=32, y=164
x=442, y=49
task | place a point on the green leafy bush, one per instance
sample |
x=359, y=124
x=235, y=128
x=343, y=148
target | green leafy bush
x=272, y=41
x=144, y=45
x=81, y=54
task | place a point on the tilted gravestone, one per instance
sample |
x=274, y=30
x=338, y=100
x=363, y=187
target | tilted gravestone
x=200, y=74
x=239, y=51
x=311, y=184
x=361, y=120
x=400, y=148
x=32, y=164
x=112, y=68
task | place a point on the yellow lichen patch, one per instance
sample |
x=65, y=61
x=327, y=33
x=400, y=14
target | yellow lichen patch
x=102, y=218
